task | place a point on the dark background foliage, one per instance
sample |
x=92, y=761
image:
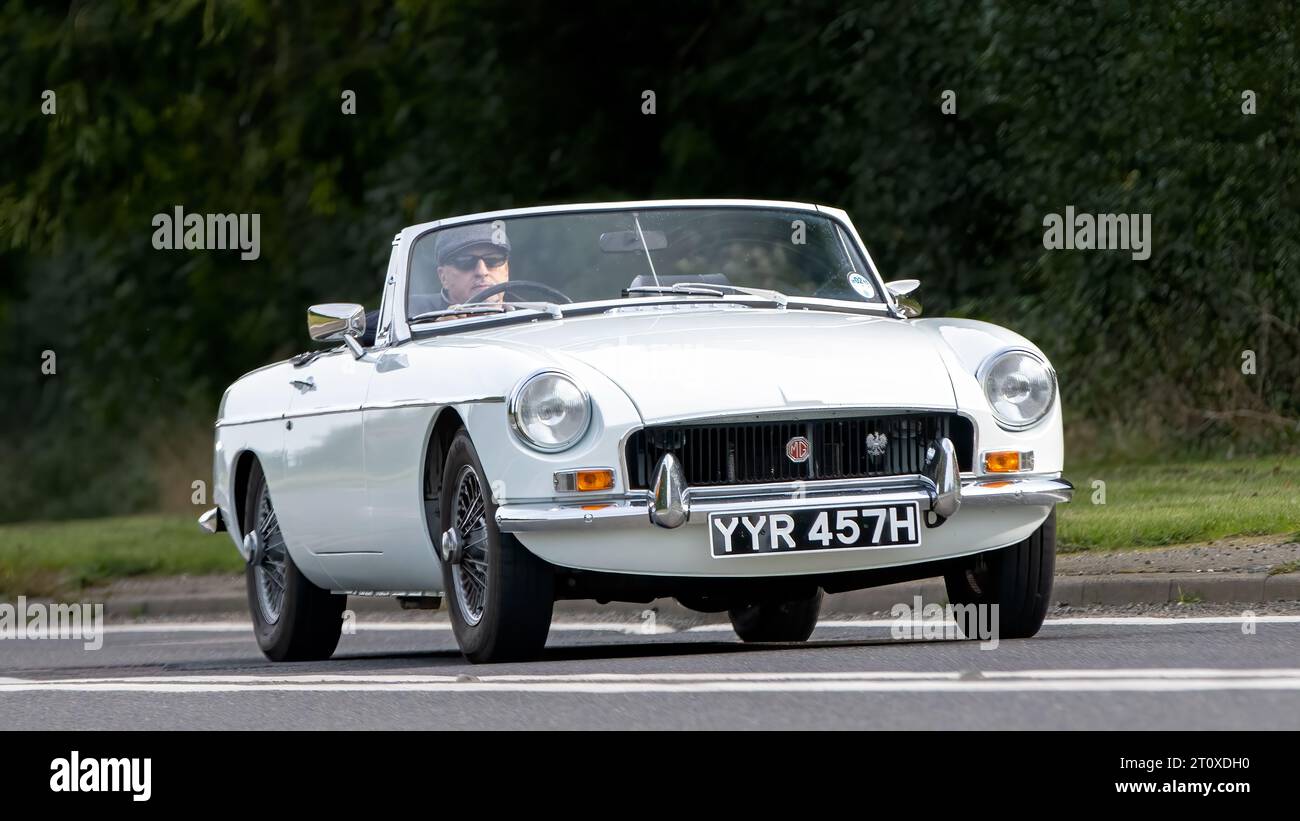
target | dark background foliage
x=236, y=107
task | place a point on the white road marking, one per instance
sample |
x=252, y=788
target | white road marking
x=1159, y=621
x=1104, y=680
x=376, y=627
x=636, y=627
x=1080, y=621
x=1110, y=680
x=195, y=642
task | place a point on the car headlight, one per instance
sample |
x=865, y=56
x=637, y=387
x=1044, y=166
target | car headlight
x=549, y=411
x=1020, y=388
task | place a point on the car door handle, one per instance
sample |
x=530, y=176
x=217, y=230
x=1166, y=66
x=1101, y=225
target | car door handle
x=304, y=385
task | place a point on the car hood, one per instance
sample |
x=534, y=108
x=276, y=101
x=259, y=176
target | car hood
x=678, y=364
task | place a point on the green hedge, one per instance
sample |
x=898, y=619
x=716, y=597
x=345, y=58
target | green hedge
x=235, y=107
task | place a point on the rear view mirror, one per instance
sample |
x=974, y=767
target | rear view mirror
x=899, y=289
x=336, y=321
x=625, y=242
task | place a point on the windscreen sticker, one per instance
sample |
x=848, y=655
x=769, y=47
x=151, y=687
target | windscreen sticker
x=862, y=285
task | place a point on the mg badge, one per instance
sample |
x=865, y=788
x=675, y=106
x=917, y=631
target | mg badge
x=798, y=449
x=876, y=443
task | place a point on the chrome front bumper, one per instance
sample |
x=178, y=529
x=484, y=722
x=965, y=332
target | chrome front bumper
x=634, y=511
x=939, y=489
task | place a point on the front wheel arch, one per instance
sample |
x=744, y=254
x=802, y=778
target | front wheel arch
x=436, y=445
x=242, y=470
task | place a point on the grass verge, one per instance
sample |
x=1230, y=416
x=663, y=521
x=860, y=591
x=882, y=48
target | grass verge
x=51, y=558
x=1145, y=506
x=1180, y=503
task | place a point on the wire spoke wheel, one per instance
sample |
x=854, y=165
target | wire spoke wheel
x=470, y=574
x=293, y=618
x=500, y=595
x=271, y=571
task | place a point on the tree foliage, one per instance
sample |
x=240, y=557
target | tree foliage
x=230, y=107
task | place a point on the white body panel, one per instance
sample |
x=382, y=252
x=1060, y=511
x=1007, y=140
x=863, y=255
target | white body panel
x=684, y=551
x=678, y=364
x=347, y=480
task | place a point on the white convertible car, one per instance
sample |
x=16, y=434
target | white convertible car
x=719, y=401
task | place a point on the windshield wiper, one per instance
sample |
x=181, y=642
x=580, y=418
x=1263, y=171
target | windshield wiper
x=707, y=289
x=689, y=290
x=780, y=299
x=476, y=308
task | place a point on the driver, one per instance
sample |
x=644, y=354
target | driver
x=468, y=259
x=471, y=258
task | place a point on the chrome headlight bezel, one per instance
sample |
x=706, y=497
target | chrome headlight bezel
x=513, y=409
x=991, y=361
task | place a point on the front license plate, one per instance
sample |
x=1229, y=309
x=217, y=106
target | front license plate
x=807, y=529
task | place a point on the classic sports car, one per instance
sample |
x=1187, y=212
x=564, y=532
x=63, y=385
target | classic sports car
x=719, y=401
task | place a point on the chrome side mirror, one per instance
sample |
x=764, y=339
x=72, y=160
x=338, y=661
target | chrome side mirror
x=899, y=290
x=337, y=321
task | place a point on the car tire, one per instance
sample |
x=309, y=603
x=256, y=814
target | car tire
x=1017, y=578
x=293, y=619
x=500, y=595
x=782, y=620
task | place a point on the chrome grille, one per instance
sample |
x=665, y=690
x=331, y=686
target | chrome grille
x=755, y=452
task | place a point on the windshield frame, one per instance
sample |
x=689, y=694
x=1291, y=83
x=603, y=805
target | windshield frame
x=411, y=235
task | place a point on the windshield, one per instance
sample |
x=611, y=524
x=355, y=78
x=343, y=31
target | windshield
x=702, y=252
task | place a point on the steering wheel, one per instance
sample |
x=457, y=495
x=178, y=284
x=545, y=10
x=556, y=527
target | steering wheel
x=501, y=287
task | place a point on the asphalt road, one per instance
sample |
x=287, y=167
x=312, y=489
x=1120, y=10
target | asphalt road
x=1116, y=673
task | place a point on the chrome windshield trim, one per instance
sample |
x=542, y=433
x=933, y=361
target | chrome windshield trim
x=402, y=327
x=628, y=205
x=432, y=327
x=495, y=319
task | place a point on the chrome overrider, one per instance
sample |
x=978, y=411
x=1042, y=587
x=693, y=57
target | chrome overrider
x=942, y=470
x=670, y=503
x=669, y=506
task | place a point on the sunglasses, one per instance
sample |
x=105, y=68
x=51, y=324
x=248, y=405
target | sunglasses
x=468, y=262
